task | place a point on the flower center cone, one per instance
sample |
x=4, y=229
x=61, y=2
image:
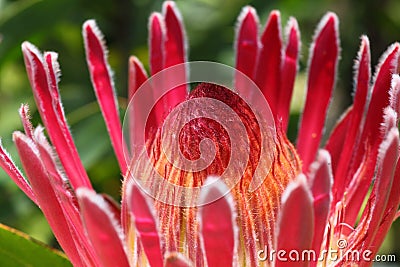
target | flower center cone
x=256, y=208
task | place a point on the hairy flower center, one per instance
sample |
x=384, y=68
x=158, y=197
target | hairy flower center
x=257, y=209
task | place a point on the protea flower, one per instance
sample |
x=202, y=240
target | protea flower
x=308, y=200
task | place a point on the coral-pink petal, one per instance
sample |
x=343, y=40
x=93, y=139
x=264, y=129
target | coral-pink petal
x=53, y=70
x=137, y=76
x=145, y=224
x=246, y=45
x=356, y=190
x=46, y=197
x=96, y=56
x=47, y=156
x=362, y=85
x=156, y=42
x=157, y=56
x=102, y=229
x=7, y=164
x=324, y=54
x=380, y=92
x=175, y=41
x=269, y=61
x=337, y=139
x=389, y=214
x=295, y=221
x=65, y=198
x=360, y=183
x=387, y=159
x=379, y=100
x=322, y=180
x=69, y=205
x=175, y=51
x=59, y=135
x=362, y=81
x=25, y=118
x=288, y=73
x=217, y=225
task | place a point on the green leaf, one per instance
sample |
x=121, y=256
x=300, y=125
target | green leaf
x=18, y=249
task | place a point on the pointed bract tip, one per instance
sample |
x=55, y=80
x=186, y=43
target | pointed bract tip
x=213, y=190
x=275, y=14
x=90, y=23
x=170, y=8
x=172, y=15
x=331, y=21
x=247, y=11
x=25, y=118
x=156, y=17
x=24, y=109
x=364, y=48
x=156, y=20
x=17, y=135
x=321, y=176
x=364, y=40
x=300, y=181
x=87, y=195
x=136, y=61
x=133, y=192
x=29, y=48
x=91, y=26
x=52, y=58
x=174, y=259
x=393, y=48
x=292, y=34
x=31, y=52
x=330, y=17
x=20, y=138
x=53, y=55
x=83, y=192
x=292, y=25
x=323, y=157
x=274, y=18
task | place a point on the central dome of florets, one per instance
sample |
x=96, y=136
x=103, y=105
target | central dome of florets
x=257, y=207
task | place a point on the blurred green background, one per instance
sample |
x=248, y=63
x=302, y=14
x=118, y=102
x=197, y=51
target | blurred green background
x=56, y=25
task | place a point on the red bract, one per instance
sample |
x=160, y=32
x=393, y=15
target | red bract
x=308, y=201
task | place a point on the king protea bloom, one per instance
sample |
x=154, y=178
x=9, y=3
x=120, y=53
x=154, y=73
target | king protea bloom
x=310, y=200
